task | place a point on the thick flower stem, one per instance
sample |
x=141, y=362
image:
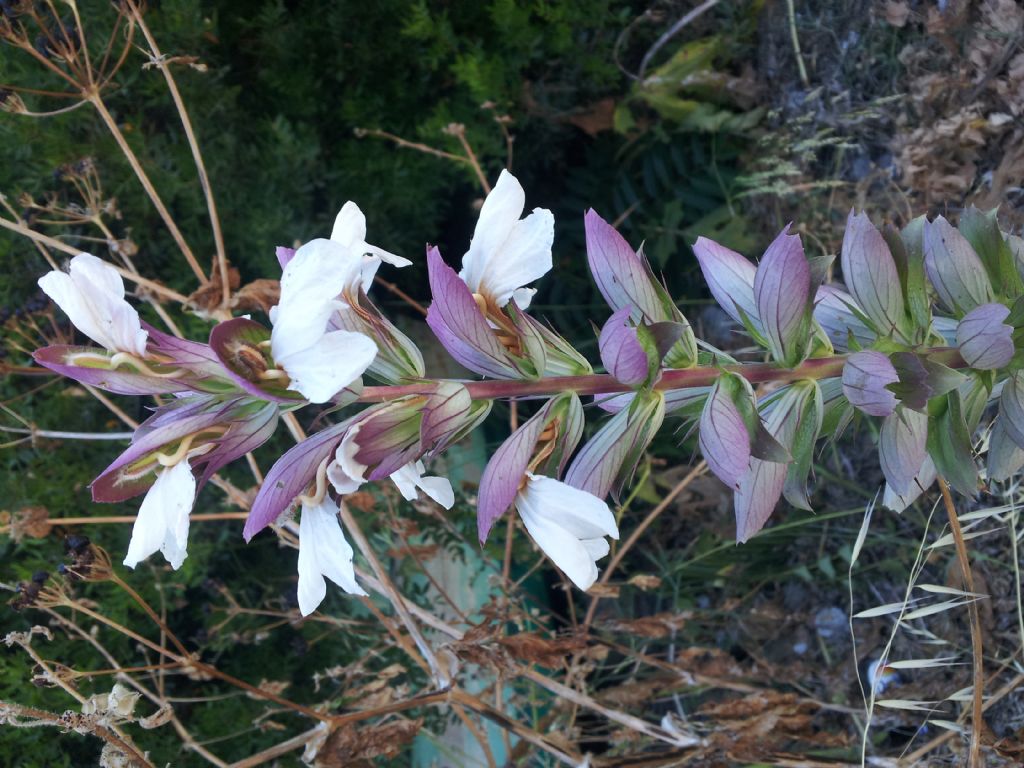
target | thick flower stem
x=605, y=384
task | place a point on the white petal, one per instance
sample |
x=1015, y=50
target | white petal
x=310, y=286
x=323, y=551
x=596, y=548
x=92, y=296
x=499, y=214
x=440, y=490
x=345, y=473
x=581, y=513
x=350, y=231
x=162, y=522
x=410, y=478
x=524, y=297
x=565, y=550
x=407, y=479
x=525, y=256
x=349, y=226
x=388, y=257
x=545, y=505
x=333, y=362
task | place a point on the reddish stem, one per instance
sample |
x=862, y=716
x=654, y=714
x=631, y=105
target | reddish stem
x=605, y=384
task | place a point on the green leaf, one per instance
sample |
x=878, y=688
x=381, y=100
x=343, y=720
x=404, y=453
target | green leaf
x=982, y=232
x=949, y=445
x=908, y=252
x=805, y=435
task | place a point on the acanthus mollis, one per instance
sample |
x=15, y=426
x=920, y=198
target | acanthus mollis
x=774, y=301
x=502, y=343
x=627, y=282
x=172, y=454
x=568, y=524
x=479, y=314
x=133, y=358
x=382, y=441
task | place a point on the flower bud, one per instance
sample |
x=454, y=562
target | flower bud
x=626, y=280
x=621, y=351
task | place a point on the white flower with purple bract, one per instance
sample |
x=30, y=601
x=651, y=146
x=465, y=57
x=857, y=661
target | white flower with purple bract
x=347, y=474
x=91, y=293
x=569, y=525
x=507, y=252
x=319, y=362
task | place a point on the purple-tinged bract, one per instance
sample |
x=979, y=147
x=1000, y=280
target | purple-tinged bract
x=870, y=274
x=621, y=274
x=621, y=351
x=730, y=278
x=985, y=341
x=782, y=287
x=902, y=448
x=865, y=376
x=724, y=438
x=461, y=327
x=954, y=269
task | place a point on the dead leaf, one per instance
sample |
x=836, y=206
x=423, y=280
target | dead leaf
x=273, y=686
x=659, y=625
x=534, y=649
x=357, y=746
x=595, y=118
x=604, y=590
x=208, y=296
x=33, y=522
x=645, y=581
x=259, y=295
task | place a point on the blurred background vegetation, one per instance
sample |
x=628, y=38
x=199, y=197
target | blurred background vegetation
x=720, y=126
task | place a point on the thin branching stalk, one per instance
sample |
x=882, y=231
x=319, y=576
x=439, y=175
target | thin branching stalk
x=977, y=656
x=204, y=180
x=147, y=185
x=152, y=285
x=16, y=714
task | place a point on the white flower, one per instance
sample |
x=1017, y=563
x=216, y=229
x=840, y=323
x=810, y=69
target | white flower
x=319, y=362
x=162, y=523
x=410, y=477
x=568, y=524
x=323, y=278
x=347, y=474
x=323, y=551
x=507, y=252
x=91, y=294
